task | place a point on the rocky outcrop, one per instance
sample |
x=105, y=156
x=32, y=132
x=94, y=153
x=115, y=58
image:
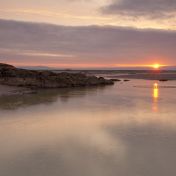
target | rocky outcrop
x=10, y=75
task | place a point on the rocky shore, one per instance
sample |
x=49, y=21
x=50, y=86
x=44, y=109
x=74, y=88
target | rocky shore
x=12, y=76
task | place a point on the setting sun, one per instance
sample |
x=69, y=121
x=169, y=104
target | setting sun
x=156, y=66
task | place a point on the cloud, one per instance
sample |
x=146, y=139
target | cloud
x=37, y=43
x=33, y=53
x=144, y=8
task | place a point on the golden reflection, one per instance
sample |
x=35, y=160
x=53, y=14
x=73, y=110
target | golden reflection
x=155, y=91
x=155, y=97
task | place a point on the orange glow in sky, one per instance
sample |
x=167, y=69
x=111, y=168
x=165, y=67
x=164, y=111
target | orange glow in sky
x=87, y=65
x=154, y=66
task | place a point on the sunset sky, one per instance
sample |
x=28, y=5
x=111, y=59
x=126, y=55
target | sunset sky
x=88, y=33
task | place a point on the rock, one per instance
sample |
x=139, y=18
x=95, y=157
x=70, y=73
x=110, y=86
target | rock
x=163, y=80
x=9, y=75
x=115, y=80
x=126, y=80
x=6, y=66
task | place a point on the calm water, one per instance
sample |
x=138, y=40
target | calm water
x=128, y=129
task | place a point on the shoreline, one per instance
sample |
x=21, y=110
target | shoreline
x=147, y=76
x=6, y=90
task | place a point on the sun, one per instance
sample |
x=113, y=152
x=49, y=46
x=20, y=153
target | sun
x=156, y=66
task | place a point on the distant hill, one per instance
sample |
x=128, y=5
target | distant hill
x=37, y=68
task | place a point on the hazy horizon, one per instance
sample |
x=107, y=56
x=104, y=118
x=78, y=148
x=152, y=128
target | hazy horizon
x=98, y=68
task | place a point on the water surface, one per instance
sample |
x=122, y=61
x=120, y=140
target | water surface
x=128, y=129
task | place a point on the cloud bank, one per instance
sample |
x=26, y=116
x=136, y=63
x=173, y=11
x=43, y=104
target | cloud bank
x=24, y=43
x=144, y=8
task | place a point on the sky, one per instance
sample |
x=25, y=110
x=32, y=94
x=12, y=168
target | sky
x=88, y=33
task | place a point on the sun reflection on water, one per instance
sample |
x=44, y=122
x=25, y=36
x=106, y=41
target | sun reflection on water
x=155, y=91
x=155, y=97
